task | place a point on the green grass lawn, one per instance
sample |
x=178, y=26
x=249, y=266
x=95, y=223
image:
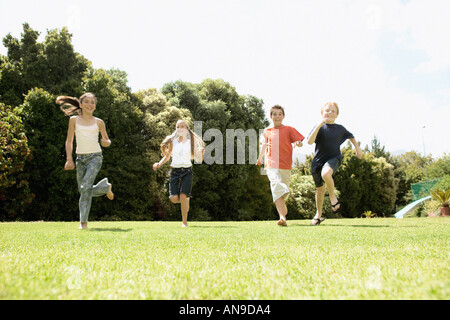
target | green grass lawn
x=340, y=259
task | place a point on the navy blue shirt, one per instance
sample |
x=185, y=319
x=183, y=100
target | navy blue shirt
x=328, y=144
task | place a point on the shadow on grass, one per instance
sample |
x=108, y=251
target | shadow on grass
x=341, y=225
x=110, y=229
x=219, y=227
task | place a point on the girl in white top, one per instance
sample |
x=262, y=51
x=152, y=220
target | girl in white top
x=183, y=146
x=86, y=128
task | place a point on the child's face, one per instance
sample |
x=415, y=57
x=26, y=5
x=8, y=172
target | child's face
x=329, y=113
x=182, y=127
x=277, y=117
x=88, y=105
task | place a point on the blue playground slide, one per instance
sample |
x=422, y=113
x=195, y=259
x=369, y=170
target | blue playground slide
x=410, y=207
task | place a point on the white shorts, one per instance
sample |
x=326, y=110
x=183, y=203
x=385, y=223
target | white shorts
x=279, y=182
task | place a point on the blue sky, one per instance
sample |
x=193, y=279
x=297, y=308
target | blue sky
x=386, y=62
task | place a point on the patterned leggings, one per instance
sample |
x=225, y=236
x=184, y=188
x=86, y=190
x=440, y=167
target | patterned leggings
x=88, y=166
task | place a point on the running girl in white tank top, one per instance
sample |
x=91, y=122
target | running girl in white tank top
x=86, y=128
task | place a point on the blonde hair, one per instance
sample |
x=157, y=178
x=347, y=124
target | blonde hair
x=167, y=144
x=330, y=104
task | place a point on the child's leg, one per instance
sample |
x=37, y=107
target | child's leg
x=184, y=200
x=175, y=199
x=327, y=176
x=281, y=208
x=185, y=193
x=86, y=175
x=279, y=185
x=81, y=170
x=320, y=195
x=103, y=187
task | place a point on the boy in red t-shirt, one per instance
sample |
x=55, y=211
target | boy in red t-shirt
x=277, y=147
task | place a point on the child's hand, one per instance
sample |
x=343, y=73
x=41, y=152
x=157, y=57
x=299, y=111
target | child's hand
x=299, y=144
x=259, y=162
x=156, y=166
x=105, y=142
x=359, y=154
x=69, y=165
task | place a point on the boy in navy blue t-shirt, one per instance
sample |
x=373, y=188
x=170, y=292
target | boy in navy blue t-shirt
x=328, y=137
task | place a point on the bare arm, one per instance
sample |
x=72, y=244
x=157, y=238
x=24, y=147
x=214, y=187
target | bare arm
x=70, y=165
x=105, y=142
x=312, y=137
x=163, y=160
x=198, y=154
x=359, y=153
x=261, y=154
x=263, y=149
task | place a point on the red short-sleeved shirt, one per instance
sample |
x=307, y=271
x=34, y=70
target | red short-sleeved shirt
x=279, y=142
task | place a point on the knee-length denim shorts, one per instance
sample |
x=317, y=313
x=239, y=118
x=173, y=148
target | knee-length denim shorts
x=181, y=181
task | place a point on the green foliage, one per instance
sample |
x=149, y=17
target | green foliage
x=409, y=168
x=368, y=214
x=444, y=183
x=366, y=184
x=52, y=65
x=303, y=191
x=378, y=150
x=440, y=167
x=54, y=189
x=14, y=154
x=442, y=196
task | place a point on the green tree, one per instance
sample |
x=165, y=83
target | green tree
x=368, y=184
x=46, y=128
x=378, y=150
x=15, y=193
x=440, y=167
x=52, y=65
x=410, y=167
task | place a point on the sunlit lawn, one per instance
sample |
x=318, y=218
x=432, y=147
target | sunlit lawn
x=340, y=259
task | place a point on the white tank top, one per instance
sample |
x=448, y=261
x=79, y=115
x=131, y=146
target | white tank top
x=87, y=138
x=181, y=154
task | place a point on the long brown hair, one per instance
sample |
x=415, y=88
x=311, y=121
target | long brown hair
x=167, y=144
x=71, y=105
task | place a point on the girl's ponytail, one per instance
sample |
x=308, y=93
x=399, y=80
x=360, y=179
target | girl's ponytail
x=167, y=144
x=72, y=106
x=196, y=142
x=69, y=105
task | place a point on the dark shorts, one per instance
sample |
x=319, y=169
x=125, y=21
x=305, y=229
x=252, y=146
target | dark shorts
x=317, y=175
x=180, y=181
